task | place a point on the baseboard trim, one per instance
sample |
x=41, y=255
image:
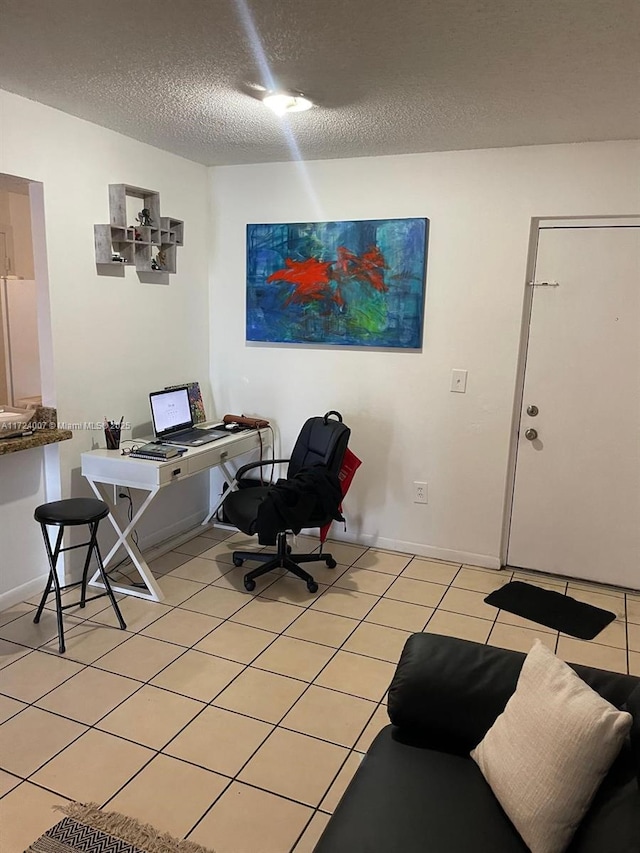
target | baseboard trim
x=155, y=544
x=485, y=561
x=182, y=531
x=172, y=536
x=22, y=592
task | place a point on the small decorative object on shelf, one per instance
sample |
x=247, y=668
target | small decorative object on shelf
x=150, y=245
x=144, y=217
x=160, y=260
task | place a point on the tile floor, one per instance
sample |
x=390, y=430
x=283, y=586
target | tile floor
x=233, y=719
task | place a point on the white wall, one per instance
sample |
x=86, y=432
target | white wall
x=22, y=559
x=114, y=339
x=406, y=424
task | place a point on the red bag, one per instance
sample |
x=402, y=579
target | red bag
x=350, y=464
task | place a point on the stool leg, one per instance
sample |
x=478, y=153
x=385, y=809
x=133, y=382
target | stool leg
x=85, y=574
x=93, y=546
x=53, y=578
x=43, y=600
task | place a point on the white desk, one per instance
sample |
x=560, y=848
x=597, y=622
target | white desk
x=104, y=468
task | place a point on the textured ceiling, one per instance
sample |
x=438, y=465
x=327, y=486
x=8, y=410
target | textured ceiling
x=388, y=76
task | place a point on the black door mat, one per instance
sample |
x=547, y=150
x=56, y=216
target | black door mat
x=553, y=609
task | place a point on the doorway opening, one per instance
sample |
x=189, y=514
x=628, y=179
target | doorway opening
x=26, y=376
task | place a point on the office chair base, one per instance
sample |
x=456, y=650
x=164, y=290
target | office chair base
x=284, y=559
x=249, y=578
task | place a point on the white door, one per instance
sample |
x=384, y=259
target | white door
x=576, y=502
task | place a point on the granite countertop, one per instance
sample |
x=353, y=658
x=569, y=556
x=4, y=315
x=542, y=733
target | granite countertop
x=40, y=438
x=44, y=422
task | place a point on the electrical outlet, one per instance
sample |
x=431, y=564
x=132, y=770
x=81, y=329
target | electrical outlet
x=420, y=493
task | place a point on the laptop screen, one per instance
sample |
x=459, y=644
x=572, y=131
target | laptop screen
x=170, y=411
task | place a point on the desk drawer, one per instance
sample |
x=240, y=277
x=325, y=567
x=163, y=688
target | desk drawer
x=109, y=466
x=217, y=453
x=174, y=469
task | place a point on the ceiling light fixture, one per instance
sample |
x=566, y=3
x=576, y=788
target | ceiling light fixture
x=286, y=102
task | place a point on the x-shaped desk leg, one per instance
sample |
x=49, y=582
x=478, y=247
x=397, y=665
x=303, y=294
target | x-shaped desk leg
x=125, y=540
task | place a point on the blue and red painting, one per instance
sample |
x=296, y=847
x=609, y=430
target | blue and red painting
x=358, y=283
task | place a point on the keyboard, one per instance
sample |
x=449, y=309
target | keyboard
x=193, y=436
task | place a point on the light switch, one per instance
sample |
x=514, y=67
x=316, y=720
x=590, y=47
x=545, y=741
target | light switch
x=459, y=381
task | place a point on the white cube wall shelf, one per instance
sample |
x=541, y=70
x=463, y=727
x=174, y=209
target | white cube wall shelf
x=135, y=245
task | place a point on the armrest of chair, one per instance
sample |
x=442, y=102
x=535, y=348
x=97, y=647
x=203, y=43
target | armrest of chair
x=262, y=464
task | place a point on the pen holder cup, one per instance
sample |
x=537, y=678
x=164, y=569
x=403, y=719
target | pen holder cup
x=112, y=436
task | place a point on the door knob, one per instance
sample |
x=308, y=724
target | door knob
x=531, y=434
x=532, y=411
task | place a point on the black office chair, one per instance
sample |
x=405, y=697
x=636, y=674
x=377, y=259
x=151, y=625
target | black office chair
x=310, y=496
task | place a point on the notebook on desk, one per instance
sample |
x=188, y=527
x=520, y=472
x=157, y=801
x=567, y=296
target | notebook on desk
x=173, y=421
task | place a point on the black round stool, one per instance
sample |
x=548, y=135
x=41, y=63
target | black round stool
x=71, y=513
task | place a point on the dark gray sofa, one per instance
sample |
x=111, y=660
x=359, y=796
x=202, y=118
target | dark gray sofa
x=418, y=791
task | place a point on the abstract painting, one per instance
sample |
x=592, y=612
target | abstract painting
x=354, y=283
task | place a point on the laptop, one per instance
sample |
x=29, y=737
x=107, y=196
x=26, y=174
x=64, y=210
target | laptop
x=173, y=421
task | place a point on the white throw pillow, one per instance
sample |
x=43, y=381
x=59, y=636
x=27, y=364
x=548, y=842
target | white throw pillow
x=547, y=753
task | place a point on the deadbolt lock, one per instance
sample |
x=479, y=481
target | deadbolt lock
x=531, y=434
x=532, y=411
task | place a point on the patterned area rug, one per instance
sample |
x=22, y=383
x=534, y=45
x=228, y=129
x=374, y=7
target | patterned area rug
x=88, y=829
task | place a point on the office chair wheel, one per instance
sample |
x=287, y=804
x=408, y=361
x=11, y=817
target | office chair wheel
x=249, y=584
x=237, y=562
x=331, y=564
x=312, y=586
